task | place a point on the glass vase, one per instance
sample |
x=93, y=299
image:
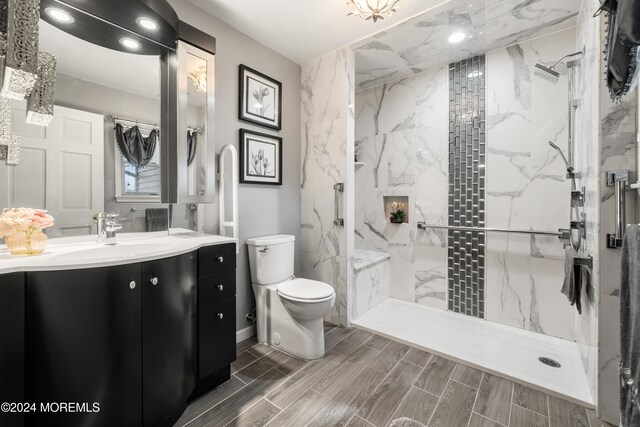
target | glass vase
x=27, y=243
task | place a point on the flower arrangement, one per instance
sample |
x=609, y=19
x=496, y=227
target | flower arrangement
x=21, y=229
x=397, y=214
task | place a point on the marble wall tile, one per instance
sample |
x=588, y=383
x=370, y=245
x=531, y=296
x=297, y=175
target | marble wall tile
x=431, y=275
x=371, y=287
x=328, y=128
x=526, y=186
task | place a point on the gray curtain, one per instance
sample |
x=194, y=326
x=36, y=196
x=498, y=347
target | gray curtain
x=137, y=149
x=192, y=141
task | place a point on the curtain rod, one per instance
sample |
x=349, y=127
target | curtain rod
x=135, y=122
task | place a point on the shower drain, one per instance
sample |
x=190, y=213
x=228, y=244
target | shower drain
x=549, y=362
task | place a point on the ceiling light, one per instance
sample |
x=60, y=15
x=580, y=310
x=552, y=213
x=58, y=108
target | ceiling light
x=59, y=15
x=130, y=43
x=373, y=9
x=457, y=37
x=146, y=23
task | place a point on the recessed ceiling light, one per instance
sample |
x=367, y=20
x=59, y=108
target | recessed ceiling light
x=130, y=43
x=147, y=23
x=457, y=37
x=59, y=15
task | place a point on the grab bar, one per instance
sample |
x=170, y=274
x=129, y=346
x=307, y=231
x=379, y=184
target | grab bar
x=338, y=188
x=619, y=179
x=425, y=226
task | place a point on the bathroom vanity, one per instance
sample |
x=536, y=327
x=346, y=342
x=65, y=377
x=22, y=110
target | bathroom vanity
x=140, y=328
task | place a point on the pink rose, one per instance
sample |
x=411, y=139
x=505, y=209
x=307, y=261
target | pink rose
x=40, y=219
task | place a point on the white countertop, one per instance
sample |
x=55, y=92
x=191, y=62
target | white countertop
x=74, y=253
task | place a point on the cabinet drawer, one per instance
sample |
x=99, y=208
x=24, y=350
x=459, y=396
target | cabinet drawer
x=216, y=288
x=216, y=336
x=217, y=258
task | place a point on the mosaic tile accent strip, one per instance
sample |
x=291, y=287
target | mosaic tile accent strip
x=466, y=249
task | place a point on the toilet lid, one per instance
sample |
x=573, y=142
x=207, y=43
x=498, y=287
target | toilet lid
x=305, y=289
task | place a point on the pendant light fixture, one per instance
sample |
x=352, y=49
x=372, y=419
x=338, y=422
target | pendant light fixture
x=373, y=9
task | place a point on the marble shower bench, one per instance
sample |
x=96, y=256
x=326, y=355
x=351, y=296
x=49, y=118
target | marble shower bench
x=371, y=278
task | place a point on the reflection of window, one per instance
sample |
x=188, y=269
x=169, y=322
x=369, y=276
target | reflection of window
x=142, y=181
x=138, y=184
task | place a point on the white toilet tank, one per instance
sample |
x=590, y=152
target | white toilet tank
x=271, y=258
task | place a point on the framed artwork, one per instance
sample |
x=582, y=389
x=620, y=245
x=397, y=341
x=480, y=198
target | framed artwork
x=260, y=99
x=260, y=158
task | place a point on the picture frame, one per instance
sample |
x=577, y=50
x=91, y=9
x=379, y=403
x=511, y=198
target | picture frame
x=260, y=99
x=260, y=158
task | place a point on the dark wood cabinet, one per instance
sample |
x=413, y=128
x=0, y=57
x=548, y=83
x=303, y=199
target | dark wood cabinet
x=12, y=351
x=139, y=340
x=84, y=344
x=168, y=336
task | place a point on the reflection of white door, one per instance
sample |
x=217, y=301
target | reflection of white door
x=61, y=169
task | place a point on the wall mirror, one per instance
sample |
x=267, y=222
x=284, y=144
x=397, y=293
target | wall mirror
x=108, y=82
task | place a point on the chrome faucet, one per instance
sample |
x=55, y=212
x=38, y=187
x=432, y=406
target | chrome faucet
x=107, y=227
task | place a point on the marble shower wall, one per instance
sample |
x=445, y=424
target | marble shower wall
x=402, y=138
x=402, y=135
x=327, y=159
x=526, y=186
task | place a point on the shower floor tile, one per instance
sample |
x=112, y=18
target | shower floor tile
x=504, y=351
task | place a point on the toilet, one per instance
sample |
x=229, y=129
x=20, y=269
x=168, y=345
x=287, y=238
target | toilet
x=289, y=310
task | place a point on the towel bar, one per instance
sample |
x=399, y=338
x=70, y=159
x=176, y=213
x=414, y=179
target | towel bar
x=584, y=261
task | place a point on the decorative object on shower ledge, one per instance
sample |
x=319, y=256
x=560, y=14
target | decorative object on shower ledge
x=397, y=213
x=260, y=100
x=372, y=10
x=260, y=158
x=395, y=209
x=21, y=229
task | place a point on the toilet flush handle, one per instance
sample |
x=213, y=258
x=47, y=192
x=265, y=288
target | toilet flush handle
x=265, y=249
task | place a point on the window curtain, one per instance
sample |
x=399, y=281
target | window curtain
x=192, y=142
x=623, y=40
x=137, y=149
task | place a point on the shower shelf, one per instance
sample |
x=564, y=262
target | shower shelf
x=356, y=164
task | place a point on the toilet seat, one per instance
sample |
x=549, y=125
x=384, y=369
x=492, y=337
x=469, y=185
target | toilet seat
x=305, y=290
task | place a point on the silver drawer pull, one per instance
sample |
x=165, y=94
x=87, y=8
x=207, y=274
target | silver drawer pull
x=220, y=287
x=265, y=249
x=154, y=281
x=220, y=259
x=132, y=284
x=220, y=315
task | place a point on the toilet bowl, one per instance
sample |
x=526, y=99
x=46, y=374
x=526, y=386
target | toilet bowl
x=289, y=310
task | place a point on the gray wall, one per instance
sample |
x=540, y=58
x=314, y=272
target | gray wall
x=263, y=210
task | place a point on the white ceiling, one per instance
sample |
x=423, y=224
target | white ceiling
x=303, y=30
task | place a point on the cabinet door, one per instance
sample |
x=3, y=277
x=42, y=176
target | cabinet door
x=168, y=336
x=12, y=345
x=83, y=345
x=217, y=326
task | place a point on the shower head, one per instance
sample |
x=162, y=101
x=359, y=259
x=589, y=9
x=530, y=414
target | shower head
x=566, y=162
x=547, y=73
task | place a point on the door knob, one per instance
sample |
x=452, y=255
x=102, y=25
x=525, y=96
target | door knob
x=154, y=281
x=220, y=315
x=220, y=259
x=132, y=284
x=220, y=287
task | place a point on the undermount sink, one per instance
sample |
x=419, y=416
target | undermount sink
x=119, y=251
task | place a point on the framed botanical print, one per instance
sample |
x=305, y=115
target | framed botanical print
x=260, y=158
x=260, y=99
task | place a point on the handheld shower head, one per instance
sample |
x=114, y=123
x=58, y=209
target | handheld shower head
x=566, y=162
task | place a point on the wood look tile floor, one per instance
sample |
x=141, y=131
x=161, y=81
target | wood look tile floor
x=366, y=380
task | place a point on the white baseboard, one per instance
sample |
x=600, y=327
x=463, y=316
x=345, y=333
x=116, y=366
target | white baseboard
x=245, y=333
